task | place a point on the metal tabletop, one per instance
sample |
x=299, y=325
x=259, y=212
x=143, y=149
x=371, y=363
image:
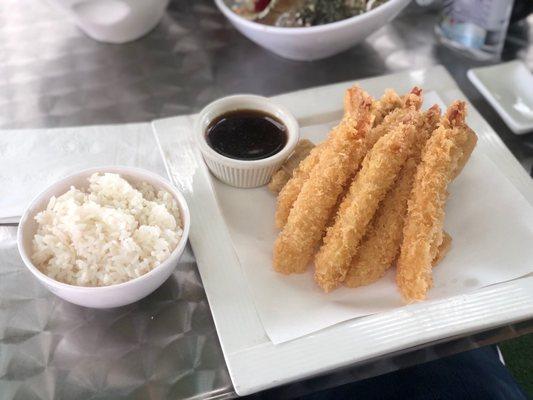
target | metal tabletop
x=165, y=346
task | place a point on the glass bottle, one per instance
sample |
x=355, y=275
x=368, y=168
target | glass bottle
x=475, y=27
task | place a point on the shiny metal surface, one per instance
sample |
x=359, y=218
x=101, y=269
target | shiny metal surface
x=165, y=346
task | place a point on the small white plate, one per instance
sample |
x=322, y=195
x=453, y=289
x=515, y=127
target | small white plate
x=508, y=87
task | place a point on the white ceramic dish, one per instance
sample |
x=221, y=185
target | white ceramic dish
x=254, y=362
x=114, y=21
x=240, y=173
x=312, y=43
x=508, y=87
x=104, y=296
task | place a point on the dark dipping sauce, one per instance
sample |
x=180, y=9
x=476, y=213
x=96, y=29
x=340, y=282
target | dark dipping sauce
x=246, y=135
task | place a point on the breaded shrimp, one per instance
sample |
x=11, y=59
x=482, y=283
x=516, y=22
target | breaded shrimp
x=385, y=105
x=383, y=238
x=381, y=244
x=379, y=171
x=443, y=249
x=411, y=101
x=338, y=161
x=422, y=234
x=288, y=195
x=387, y=111
x=286, y=171
x=468, y=148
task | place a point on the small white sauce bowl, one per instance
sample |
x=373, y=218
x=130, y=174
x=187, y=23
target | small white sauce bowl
x=244, y=173
x=102, y=296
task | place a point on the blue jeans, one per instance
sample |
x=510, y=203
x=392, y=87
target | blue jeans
x=472, y=375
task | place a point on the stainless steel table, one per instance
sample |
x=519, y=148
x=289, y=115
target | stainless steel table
x=165, y=346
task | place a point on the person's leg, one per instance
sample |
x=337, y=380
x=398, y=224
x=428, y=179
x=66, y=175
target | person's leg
x=476, y=374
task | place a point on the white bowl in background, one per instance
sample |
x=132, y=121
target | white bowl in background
x=244, y=173
x=315, y=42
x=114, y=21
x=102, y=296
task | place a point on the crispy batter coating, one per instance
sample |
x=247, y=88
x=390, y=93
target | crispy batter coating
x=422, y=235
x=339, y=159
x=278, y=181
x=386, y=104
x=382, y=241
x=301, y=151
x=411, y=101
x=389, y=102
x=379, y=171
x=286, y=171
x=468, y=148
x=381, y=244
x=373, y=192
x=292, y=188
x=443, y=249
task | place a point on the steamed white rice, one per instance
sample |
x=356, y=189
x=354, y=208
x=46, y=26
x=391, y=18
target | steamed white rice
x=108, y=234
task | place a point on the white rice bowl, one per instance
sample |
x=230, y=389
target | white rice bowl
x=108, y=234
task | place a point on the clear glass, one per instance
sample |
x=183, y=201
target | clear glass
x=476, y=28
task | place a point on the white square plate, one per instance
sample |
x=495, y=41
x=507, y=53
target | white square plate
x=508, y=87
x=254, y=362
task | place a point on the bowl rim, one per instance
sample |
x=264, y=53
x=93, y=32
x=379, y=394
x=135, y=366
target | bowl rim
x=165, y=184
x=254, y=102
x=305, y=30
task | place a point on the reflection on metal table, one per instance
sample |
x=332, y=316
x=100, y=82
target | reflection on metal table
x=165, y=346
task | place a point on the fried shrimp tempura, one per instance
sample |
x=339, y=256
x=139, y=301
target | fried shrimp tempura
x=379, y=171
x=468, y=148
x=286, y=171
x=411, y=101
x=338, y=161
x=422, y=234
x=385, y=105
x=278, y=181
x=443, y=249
x=288, y=195
x=381, y=243
x=389, y=102
x=383, y=238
